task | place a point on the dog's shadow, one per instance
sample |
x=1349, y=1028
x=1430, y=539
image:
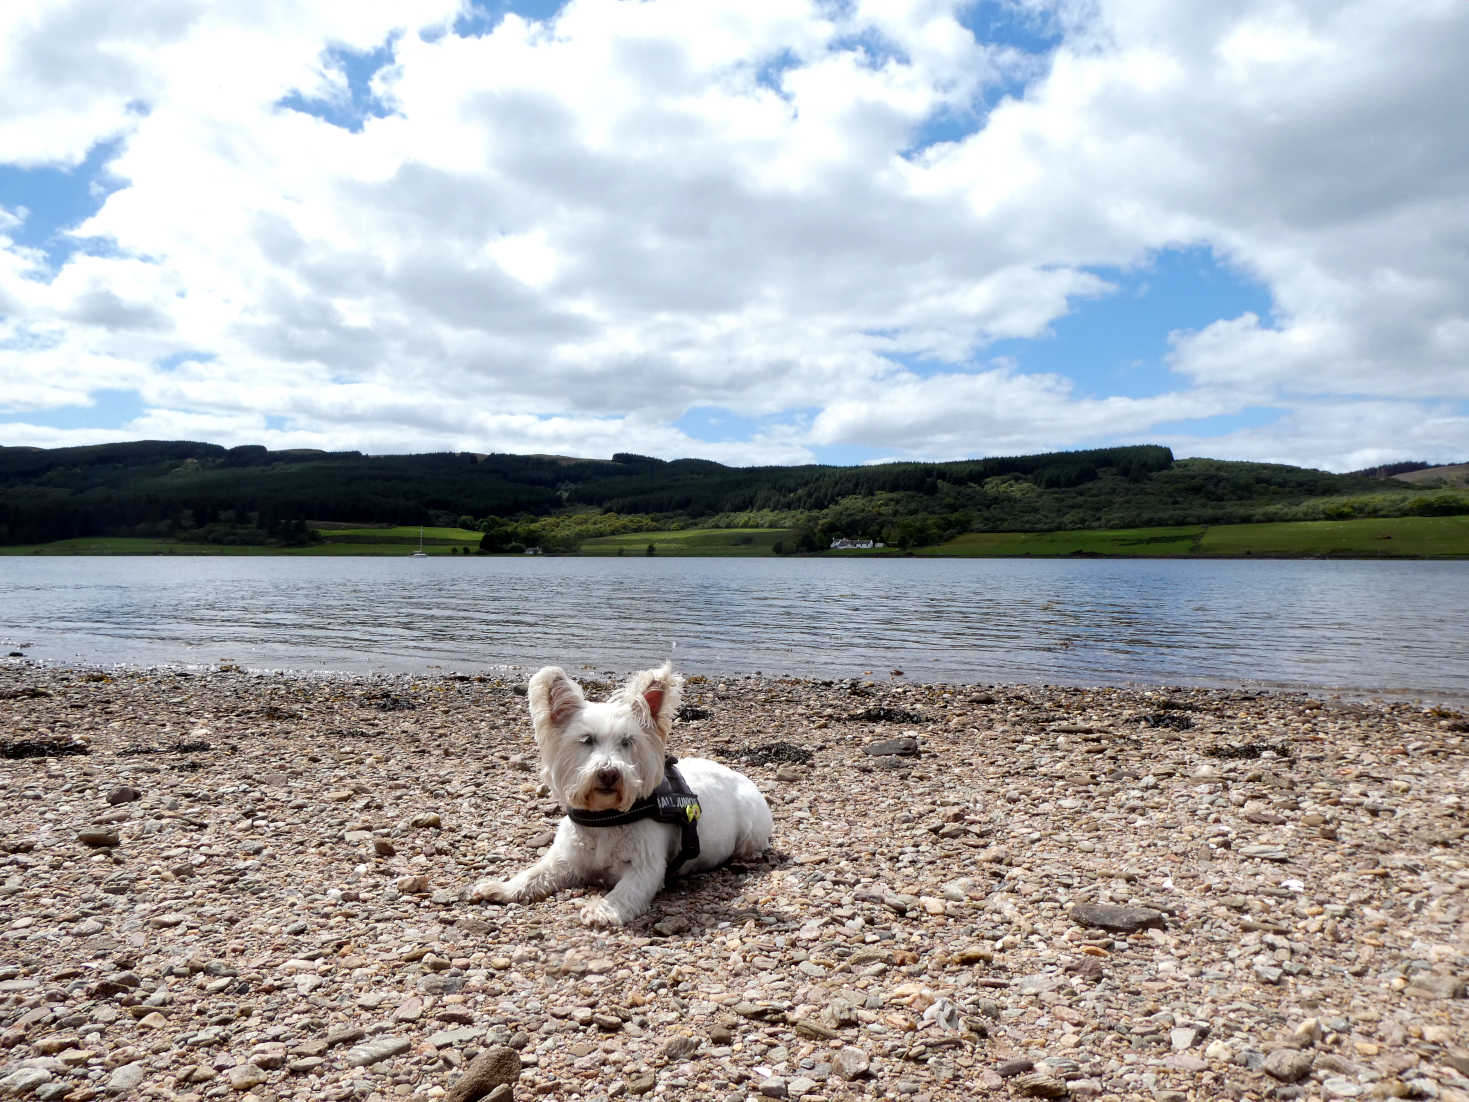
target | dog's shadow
x=692, y=906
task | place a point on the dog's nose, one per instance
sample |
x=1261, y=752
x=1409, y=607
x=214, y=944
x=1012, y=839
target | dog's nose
x=608, y=777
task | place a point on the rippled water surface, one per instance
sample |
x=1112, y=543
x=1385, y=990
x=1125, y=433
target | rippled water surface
x=1315, y=624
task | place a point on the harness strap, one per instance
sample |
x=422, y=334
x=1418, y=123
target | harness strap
x=671, y=802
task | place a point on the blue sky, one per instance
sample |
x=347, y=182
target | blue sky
x=756, y=232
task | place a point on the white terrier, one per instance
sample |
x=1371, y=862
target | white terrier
x=605, y=763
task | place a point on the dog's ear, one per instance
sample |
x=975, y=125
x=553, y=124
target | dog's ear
x=554, y=698
x=658, y=691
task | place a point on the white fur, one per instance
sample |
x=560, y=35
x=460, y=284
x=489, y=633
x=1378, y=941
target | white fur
x=607, y=755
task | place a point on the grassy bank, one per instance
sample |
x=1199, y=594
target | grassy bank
x=1391, y=537
x=689, y=541
x=335, y=541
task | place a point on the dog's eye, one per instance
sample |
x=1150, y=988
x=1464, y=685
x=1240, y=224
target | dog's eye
x=626, y=742
x=586, y=740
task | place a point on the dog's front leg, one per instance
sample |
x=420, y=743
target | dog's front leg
x=628, y=898
x=554, y=871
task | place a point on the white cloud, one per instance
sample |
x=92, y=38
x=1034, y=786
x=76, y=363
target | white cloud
x=567, y=234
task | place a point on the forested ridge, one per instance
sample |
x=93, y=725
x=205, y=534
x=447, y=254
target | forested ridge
x=196, y=491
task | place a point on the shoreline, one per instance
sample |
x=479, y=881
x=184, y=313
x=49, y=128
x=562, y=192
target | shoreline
x=290, y=851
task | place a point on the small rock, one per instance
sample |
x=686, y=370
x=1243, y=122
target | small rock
x=1289, y=1065
x=1183, y=1038
x=679, y=1046
x=376, y=1050
x=24, y=1081
x=426, y=819
x=906, y=746
x=348, y=1035
x=1108, y=916
x=126, y=1078
x=123, y=794
x=98, y=837
x=800, y=1086
x=495, y=1067
x=774, y=1087
x=1033, y=1084
x=850, y=1062
x=1008, y=1069
x=1265, y=852
x=1433, y=985
x=674, y=924
x=383, y=848
x=244, y=1076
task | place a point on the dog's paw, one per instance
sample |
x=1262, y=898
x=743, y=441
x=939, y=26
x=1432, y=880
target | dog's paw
x=491, y=891
x=600, y=914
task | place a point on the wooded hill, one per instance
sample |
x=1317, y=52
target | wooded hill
x=199, y=491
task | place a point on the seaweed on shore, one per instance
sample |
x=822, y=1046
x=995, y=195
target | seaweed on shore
x=883, y=714
x=1248, y=751
x=770, y=752
x=41, y=748
x=389, y=702
x=180, y=747
x=1173, y=721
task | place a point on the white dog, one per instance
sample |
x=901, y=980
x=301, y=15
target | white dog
x=605, y=763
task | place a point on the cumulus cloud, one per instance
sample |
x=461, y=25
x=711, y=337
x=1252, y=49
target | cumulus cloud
x=564, y=234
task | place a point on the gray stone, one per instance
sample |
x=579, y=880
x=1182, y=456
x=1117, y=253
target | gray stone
x=454, y=1038
x=679, y=1046
x=1107, y=916
x=348, y=1035
x=774, y=1087
x=1008, y=1069
x=905, y=746
x=1339, y=1087
x=23, y=1081
x=800, y=1086
x=126, y=1078
x=1433, y=985
x=850, y=1062
x=123, y=794
x=376, y=1050
x=496, y=1067
x=98, y=837
x=1289, y=1065
x=244, y=1076
x=1184, y=1037
x=1265, y=852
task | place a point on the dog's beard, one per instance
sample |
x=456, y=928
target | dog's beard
x=574, y=782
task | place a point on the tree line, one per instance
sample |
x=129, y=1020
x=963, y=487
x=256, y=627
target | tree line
x=196, y=491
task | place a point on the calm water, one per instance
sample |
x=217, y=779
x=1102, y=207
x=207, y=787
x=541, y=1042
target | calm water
x=1359, y=625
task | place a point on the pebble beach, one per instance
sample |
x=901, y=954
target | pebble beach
x=236, y=885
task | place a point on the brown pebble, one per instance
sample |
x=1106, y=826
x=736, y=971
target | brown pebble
x=494, y=1067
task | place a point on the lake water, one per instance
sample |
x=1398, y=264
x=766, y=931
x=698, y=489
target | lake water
x=1396, y=626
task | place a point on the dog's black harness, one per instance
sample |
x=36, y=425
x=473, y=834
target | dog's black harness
x=671, y=802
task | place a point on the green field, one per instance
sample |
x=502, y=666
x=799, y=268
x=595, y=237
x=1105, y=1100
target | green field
x=689, y=541
x=1391, y=537
x=391, y=541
